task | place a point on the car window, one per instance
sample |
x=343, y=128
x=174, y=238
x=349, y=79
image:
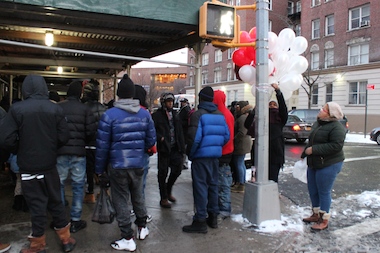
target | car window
x=293, y=118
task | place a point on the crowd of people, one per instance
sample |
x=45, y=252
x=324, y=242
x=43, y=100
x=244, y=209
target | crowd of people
x=52, y=140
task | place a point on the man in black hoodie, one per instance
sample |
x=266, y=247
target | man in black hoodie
x=71, y=160
x=36, y=128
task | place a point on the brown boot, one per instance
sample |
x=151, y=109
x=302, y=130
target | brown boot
x=89, y=198
x=238, y=188
x=314, y=217
x=4, y=247
x=37, y=245
x=68, y=243
x=165, y=203
x=323, y=222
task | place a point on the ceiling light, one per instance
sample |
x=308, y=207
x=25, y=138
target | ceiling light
x=59, y=70
x=49, y=38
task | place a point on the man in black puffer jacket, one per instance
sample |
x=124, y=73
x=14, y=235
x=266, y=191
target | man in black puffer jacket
x=91, y=97
x=36, y=128
x=71, y=161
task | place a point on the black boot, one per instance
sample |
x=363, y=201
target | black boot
x=212, y=220
x=17, y=202
x=196, y=227
x=25, y=207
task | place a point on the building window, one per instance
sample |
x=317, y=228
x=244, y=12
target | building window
x=218, y=75
x=314, y=60
x=229, y=53
x=329, y=25
x=205, y=59
x=315, y=2
x=270, y=5
x=229, y=72
x=315, y=27
x=358, y=54
x=270, y=25
x=357, y=91
x=290, y=8
x=191, y=81
x=329, y=92
x=218, y=55
x=314, y=95
x=359, y=17
x=298, y=29
x=205, y=77
x=298, y=6
x=329, y=57
x=237, y=3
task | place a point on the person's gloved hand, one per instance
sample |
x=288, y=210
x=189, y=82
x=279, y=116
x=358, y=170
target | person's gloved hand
x=104, y=180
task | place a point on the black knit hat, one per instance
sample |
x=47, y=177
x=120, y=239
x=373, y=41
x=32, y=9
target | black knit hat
x=206, y=94
x=75, y=89
x=126, y=88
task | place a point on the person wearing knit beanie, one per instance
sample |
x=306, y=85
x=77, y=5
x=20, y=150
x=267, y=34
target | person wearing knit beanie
x=335, y=110
x=126, y=88
x=75, y=89
x=206, y=94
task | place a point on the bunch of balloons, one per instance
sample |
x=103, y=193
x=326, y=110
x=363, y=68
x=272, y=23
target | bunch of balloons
x=285, y=62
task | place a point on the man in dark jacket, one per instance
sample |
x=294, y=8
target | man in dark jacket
x=125, y=133
x=183, y=114
x=71, y=161
x=91, y=98
x=36, y=128
x=208, y=133
x=170, y=148
x=278, y=115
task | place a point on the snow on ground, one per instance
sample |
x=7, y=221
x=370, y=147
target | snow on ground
x=364, y=203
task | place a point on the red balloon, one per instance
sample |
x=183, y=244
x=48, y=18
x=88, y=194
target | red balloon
x=240, y=58
x=244, y=37
x=252, y=33
x=250, y=52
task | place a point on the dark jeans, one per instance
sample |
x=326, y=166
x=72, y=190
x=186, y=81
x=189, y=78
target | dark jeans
x=174, y=160
x=225, y=181
x=90, y=169
x=205, y=175
x=274, y=170
x=44, y=193
x=127, y=184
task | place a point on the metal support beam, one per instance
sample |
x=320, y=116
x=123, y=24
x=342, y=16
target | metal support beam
x=261, y=199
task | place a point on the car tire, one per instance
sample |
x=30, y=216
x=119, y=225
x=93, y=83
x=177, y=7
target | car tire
x=302, y=140
x=378, y=139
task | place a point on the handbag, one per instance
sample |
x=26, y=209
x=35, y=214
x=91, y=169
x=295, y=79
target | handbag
x=104, y=211
x=300, y=170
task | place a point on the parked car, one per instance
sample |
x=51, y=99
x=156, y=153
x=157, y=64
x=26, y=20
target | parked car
x=375, y=135
x=310, y=116
x=296, y=128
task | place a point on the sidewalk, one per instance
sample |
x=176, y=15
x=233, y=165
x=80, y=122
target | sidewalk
x=166, y=228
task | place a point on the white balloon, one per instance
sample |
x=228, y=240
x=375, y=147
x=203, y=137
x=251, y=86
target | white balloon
x=272, y=41
x=247, y=73
x=286, y=93
x=281, y=64
x=285, y=39
x=270, y=66
x=253, y=90
x=291, y=81
x=298, y=64
x=299, y=45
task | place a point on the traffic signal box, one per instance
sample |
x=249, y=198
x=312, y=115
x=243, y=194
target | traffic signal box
x=219, y=23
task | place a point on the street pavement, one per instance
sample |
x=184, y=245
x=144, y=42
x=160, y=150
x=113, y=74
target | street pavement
x=233, y=235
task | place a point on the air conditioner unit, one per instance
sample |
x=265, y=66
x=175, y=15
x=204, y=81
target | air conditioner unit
x=364, y=23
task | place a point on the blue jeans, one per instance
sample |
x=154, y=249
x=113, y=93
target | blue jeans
x=225, y=181
x=204, y=172
x=238, y=161
x=146, y=170
x=320, y=183
x=75, y=167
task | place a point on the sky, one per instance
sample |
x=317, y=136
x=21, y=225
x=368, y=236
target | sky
x=357, y=207
x=179, y=55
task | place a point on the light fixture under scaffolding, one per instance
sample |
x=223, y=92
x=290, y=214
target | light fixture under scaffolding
x=49, y=38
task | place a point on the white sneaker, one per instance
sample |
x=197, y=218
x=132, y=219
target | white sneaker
x=132, y=212
x=124, y=244
x=149, y=218
x=142, y=233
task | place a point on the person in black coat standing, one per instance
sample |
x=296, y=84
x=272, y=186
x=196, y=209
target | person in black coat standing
x=170, y=148
x=71, y=160
x=278, y=115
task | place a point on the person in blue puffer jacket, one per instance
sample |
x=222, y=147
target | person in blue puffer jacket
x=125, y=133
x=207, y=134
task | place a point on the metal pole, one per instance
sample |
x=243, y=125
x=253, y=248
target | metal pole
x=365, y=114
x=198, y=74
x=261, y=199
